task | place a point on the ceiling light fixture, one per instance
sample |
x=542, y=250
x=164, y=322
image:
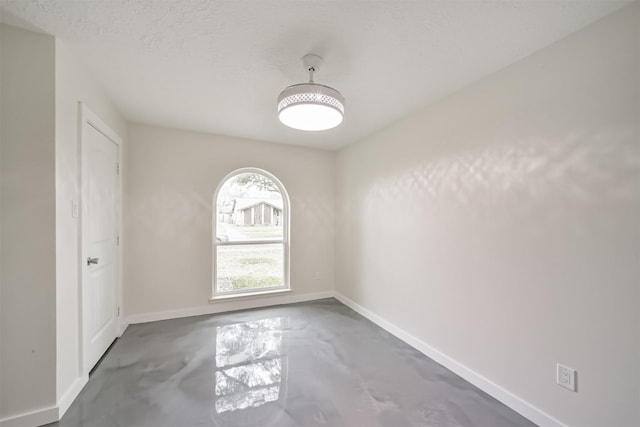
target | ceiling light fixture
x=310, y=106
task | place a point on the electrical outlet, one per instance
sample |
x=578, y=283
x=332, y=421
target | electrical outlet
x=566, y=377
x=317, y=275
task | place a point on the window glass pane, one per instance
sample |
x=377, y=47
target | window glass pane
x=249, y=207
x=242, y=267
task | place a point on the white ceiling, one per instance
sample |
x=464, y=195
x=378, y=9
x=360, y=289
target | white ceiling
x=218, y=66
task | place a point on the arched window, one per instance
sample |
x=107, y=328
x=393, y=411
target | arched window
x=250, y=234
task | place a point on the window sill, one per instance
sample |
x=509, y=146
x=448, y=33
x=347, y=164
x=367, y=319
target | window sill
x=247, y=295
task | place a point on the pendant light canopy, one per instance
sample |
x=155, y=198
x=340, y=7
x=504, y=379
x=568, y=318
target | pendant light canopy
x=310, y=106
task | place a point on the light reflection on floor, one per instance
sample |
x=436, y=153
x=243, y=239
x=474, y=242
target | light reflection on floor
x=249, y=364
x=309, y=364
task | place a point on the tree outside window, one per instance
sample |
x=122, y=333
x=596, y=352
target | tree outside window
x=251, y=233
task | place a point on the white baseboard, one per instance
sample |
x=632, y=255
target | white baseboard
x=48, y=415
x=514, y=402
x=124, y=324
x=70, y=395
x=32, y=419
x=227, y=305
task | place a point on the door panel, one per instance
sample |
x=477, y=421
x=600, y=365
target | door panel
x=100, y=213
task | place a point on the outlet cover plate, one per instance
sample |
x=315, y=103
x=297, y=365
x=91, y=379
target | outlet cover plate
x=566, y=377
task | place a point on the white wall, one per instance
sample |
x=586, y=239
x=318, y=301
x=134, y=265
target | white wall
x=171, y=179
x=502, y=225
x=73, y=84
x=27, y=319
x=41, y=86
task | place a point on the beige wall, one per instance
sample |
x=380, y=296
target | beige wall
x=41, y=87
x=501, y=225
x=170, y=183
x=28, y=256
x=73, y=84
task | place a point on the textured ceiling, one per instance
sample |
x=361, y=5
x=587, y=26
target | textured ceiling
x=218, y=66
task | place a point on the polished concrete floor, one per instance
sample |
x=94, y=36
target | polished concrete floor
x=309, y=364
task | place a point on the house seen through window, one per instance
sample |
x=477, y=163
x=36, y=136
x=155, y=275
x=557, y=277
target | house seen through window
x=251, y=234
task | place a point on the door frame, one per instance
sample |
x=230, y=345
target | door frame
x=89, y=118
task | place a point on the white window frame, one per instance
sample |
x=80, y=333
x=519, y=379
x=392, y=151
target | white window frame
x=286, y=221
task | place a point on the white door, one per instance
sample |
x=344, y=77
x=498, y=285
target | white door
x=100, y=258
